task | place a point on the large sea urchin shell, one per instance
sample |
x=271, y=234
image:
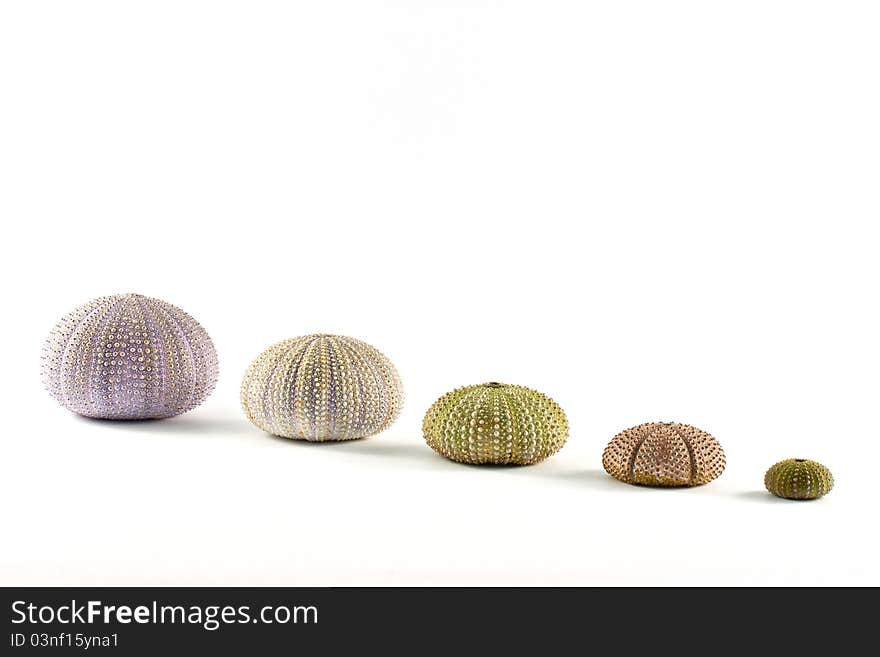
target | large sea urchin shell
x=129, y=357
x=664, y=454
x=320, y=388
x=495, y=423
x=798, y=479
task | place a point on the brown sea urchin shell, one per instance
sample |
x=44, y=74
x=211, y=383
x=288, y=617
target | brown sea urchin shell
x=664, y=454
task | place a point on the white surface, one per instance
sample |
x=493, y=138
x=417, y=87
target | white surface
x=649, y=211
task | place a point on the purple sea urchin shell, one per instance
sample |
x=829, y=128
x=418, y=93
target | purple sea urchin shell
x=129, y=357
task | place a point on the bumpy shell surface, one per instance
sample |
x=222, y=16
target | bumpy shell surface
x=129, y=357
x=321, y=388
x=495, y=423
x=798, y=479
x=664, y=454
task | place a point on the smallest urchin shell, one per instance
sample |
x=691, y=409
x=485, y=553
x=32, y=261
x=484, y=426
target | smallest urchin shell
x=798, y=479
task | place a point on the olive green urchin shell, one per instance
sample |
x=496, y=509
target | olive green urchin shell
x=495, y=423
x=798, y=479
x=321, y=388
x=664, y=454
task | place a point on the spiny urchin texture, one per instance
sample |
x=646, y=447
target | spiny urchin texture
x=664, y=454
x=798, y=479
x=495, y=423
x=129, y=357
x=320, y=388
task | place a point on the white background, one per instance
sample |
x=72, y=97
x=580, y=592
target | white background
x=648, y=211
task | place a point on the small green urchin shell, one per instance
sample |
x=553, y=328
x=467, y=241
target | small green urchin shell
x=798, y=479
x=495, y=423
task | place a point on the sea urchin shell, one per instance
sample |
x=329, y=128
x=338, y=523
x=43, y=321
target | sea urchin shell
x=798, y=479
x=129, y=357
x=495, y=423
x=321, y=388
x=664, y=454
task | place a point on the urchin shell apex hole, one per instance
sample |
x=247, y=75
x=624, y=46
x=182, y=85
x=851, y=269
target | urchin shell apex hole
x=494, y=384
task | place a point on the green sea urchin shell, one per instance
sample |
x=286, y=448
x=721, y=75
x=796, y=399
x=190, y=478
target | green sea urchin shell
x=664, y=454
x=798, y=479
x=495, y=423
